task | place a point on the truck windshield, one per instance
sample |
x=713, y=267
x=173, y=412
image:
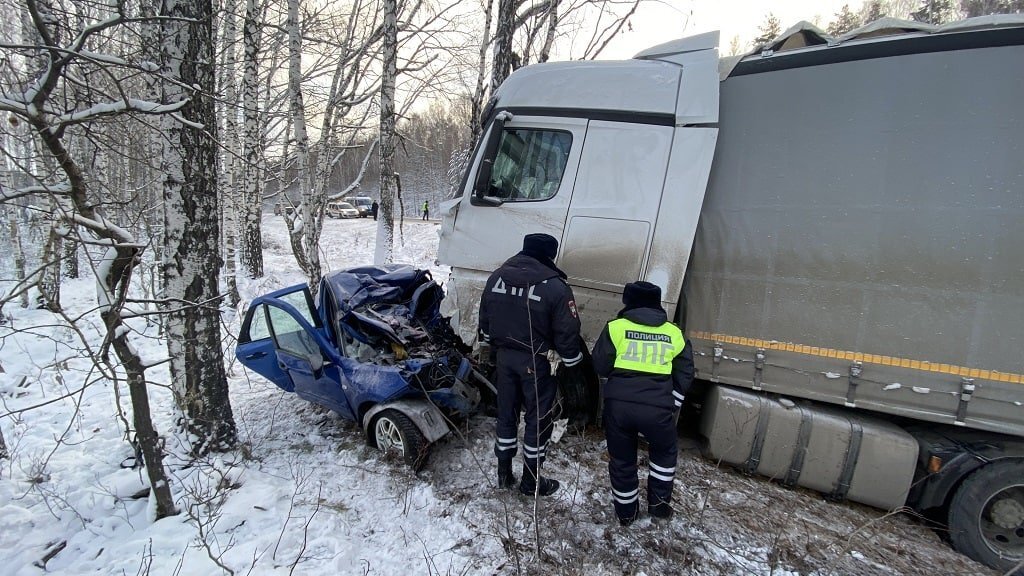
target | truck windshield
x=529, y=164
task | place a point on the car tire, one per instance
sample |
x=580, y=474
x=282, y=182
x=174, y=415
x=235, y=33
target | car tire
x=986, y=515
x=393, y=431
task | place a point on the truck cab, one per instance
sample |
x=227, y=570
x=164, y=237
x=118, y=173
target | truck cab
x=610, y=158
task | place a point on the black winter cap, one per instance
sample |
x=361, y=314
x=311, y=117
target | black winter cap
x=540, y=246
x=641, y=295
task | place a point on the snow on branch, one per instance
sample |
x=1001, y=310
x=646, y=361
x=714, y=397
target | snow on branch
x=7, y=195
x=112, y=108
x=100, y=224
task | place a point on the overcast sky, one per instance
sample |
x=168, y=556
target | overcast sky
x=656, y=22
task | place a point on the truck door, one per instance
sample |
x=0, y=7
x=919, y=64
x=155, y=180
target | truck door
x=525, y=186
x=611, y=221
x=525, y=193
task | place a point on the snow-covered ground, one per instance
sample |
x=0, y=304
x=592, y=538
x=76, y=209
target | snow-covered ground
x=303, y=494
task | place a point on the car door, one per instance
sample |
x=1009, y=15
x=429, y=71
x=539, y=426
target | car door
x=303, y=357
x=255, y=348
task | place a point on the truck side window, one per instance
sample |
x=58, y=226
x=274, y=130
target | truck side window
x=529, y=164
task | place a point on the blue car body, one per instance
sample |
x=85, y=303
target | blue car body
x=373, y=336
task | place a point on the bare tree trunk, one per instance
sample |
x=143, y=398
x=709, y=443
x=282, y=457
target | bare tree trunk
x=475, y=120
x=230, y=193
x=311, y=206
x=3, y=447
x=384, y=252
x=71, y=253
x=192, y=260
x=123, y=261
x=549, y=37
x=252, y=194
x=502, y=63
x=13, y=214
x=49, y=282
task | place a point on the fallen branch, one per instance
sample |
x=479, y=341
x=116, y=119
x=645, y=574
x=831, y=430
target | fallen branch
x=54, y=549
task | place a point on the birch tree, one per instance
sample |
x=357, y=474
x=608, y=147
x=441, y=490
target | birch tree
x=309, y=217
x=230, y=179
x=386, y=227
x=191, y=265
x=350, y=91
x=252, y=194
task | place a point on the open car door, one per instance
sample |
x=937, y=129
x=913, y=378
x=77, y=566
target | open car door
x=295, y=355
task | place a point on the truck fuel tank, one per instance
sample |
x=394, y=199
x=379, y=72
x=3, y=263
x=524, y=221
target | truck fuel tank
x=842, y=454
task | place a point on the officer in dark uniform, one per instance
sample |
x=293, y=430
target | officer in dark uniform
x=527, y=309
x=649, y=368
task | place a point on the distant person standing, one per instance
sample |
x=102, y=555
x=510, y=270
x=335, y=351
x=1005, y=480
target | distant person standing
x=426, y=209
x=373, y=210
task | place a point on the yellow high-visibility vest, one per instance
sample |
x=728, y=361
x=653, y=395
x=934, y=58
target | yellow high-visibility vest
x=649, y=349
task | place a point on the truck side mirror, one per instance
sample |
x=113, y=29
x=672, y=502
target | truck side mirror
x=490, y=201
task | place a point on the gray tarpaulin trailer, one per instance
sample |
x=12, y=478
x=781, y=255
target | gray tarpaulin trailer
x=837, y=223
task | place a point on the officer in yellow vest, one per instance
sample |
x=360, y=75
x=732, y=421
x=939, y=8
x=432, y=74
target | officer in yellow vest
x=649, y=368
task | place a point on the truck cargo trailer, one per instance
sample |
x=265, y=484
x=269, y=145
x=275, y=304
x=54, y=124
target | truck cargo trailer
x=837, y=225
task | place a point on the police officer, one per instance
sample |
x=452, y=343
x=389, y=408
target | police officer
x=649, y=368
x=527, y=309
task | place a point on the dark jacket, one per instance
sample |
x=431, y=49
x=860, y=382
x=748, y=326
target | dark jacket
x=526, y=300
x=665, y=390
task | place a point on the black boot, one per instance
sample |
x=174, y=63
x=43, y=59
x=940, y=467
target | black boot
x=543, y=487
x=506, y=479
x=660, y=512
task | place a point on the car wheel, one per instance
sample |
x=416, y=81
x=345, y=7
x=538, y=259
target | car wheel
x=986, y=515
x=394, y=432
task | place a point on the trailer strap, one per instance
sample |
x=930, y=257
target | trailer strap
x=764, y=408
x=967, y=389
x=851, y=390
x=850, y=463
x=803, y=438
x=758, y=367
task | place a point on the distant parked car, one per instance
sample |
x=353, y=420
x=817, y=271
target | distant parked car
x=374, y=348
x=338, y=209
x=361, y=203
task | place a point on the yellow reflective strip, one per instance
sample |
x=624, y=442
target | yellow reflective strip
x=922, y=365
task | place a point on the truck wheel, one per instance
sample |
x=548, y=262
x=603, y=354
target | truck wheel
x=394, y=432
x=986, y=516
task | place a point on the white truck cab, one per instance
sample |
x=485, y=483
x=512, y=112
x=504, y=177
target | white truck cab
x=611, y=158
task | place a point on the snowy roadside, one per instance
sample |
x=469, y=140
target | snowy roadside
x=304, y=494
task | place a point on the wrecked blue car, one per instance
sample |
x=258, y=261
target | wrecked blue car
x=373, y=347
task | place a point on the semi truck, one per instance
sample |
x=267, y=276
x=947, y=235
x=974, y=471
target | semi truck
x=836, y=223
